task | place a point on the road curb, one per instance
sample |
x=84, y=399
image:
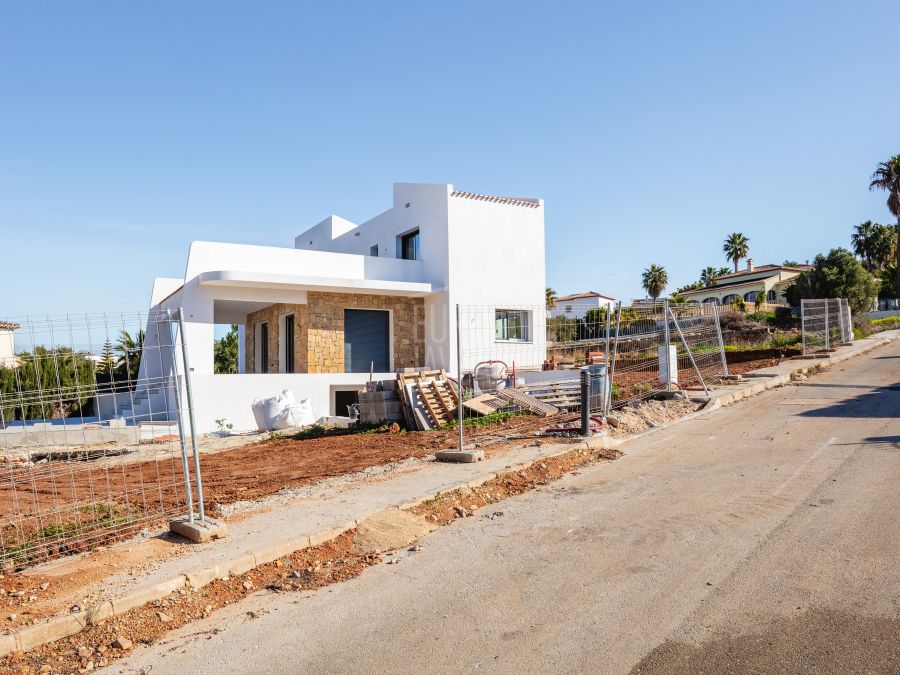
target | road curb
x=66, y=625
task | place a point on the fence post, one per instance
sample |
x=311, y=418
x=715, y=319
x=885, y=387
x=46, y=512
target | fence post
x=585, y=402
x=189, y=496
x=721, y=339
x=803, y=324
x=608, y=383
x=459, y=376
x=611, y=374
x=827, y=336
x=190, y=404
x=667, y=345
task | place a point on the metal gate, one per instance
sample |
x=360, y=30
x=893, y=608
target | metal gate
x=96, y=429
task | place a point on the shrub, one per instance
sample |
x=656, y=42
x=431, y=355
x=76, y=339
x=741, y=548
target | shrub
x=837, y=275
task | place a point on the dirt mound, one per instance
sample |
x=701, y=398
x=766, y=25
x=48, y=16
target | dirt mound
x=649, y=414
x=389, y=530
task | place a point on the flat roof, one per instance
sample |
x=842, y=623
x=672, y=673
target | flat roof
x=302, y=282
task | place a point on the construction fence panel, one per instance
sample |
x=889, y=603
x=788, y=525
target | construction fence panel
x=663, y=347
x=531, y=359
x=825, y=324
x=517, y=359
x=95, y=431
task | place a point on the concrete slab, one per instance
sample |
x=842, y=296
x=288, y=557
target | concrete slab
x=200, y=531
x=465, y=456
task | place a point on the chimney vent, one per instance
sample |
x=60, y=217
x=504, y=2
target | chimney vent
x=749, y=264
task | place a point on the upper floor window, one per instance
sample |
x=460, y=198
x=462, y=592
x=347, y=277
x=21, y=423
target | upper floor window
x=409, y=245
x=373, y=250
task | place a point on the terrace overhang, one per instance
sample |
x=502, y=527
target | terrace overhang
x=300, y=282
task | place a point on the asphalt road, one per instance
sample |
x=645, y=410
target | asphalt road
x=759, y=538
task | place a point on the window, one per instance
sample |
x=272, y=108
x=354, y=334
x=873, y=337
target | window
x=512, y=325
x=409, y=245
x=373, y=250
x=771, y=296
x=262, y=347
x=751, y=296
x=367, y=341
x=289, y=343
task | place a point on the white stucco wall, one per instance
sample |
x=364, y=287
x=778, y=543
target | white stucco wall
x=7, y=348
x=231, y=396
x=496, y=261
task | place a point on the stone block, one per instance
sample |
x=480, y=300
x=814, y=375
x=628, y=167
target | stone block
x=57, y=628
x=464, y=456
x=200, y=531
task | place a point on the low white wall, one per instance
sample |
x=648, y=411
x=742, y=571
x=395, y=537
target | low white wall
x=109, y=406
x=231, y=396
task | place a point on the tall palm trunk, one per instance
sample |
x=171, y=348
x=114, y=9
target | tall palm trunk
x=897, y=270
x=735, y=264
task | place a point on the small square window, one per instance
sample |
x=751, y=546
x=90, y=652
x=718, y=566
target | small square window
x=373, y=250
x=513, y=325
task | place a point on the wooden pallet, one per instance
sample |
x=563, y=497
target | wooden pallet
x=439, y=399
x=429, y=399
x=527, y=402
x=564, y=395
x=485, y=404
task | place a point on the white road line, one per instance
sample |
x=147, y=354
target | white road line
x=802, y=467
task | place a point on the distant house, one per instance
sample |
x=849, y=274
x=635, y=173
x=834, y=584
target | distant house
x=771, y=280
x=577, y=305
x=8, y=344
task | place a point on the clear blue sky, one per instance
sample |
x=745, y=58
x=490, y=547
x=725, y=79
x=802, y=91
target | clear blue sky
x=651, y=130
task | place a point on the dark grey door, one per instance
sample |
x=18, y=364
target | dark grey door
x=366, y=340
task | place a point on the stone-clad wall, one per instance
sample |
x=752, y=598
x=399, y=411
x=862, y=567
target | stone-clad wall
x=319, y=330
x=273, y=314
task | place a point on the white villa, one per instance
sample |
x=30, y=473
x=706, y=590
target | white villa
x=771, y=280
x=348, y=297
x=575, y=306
x=8, y=344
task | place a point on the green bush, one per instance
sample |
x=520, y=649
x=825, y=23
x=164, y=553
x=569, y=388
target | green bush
x=762, y=317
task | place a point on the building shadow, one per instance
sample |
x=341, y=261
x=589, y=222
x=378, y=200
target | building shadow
x=881, y=403
x=893, y=441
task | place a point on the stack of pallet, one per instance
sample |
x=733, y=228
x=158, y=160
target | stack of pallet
x=380, y=402
x=429, y=398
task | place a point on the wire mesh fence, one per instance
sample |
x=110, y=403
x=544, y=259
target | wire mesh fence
x=523, y=359
x=663, y=347
x=825, y=324
x=94, y=431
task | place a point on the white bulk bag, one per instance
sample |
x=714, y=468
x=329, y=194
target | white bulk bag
x=274, y=412
x=303, y=413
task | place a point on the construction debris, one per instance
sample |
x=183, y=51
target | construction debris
x=485, y=404
x=564, y=394
x=380, y=402
x=527, y=402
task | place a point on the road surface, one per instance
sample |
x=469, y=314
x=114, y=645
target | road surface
x=759, y=538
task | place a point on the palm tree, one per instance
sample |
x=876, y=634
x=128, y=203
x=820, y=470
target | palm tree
x=736, y=246
x=654, y=281
x=551, y=298
x=862, y=242
x=130, y=350
x=887, y=177
x=709, y=275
